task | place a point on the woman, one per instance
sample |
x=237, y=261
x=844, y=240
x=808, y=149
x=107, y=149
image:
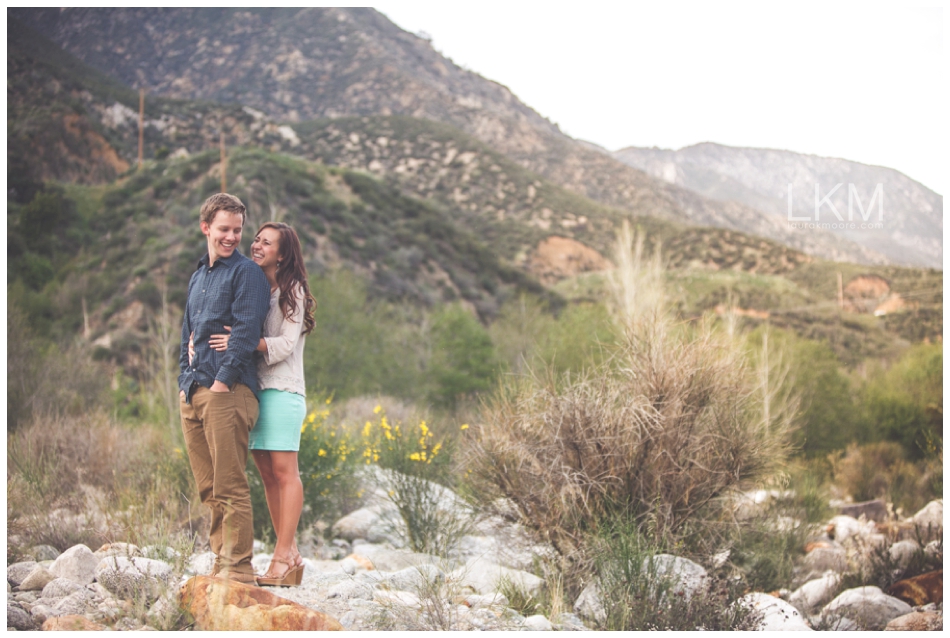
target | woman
x=275, y=439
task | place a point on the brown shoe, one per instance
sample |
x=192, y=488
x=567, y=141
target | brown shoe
x=238, y=577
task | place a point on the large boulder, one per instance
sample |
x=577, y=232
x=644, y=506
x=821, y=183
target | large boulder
x=917, y=621
x=19, y=618
x=866, y=608
x=219, y=604
x=814, y=594
x=776, y=614
x=875, y=510
x=919, y=590
x=127, y=577
x=77, y=564
x=37, y=579
x=902, y=552
x=485, y=577
x=590, y=604
x=931, y=515
x=72, y=622
x=686, y=577
x=17, y=572
x=60, y=588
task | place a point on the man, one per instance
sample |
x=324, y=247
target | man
x=218, y=404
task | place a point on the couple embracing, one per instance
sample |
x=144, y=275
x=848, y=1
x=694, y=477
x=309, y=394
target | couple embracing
x=242, y=385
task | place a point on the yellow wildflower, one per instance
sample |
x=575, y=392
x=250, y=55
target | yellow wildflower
x=377, y=409
x=464, y=426
x=414, y=457
x=321, y=452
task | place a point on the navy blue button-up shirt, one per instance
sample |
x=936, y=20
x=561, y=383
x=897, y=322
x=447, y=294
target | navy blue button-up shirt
x=232, y=292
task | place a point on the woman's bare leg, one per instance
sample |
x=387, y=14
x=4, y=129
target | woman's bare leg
x=282, y=467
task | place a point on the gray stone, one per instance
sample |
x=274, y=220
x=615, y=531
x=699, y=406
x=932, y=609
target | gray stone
x=421, y=578
x=348, y=619
x=356, y=524
x=201, y=564
x=868, y=607
x=127, y=577
x=902, y=552
x=917, y=621
x=28, y=597
x=19, y=571
x=77, y=603
x=350, y=589
x=37, y=579
x=776, y=614
x=823, y=559
x=485, y=600
x=875, y=510
x=685, y=575
x=931, y=515
x=844, y=527
x=569, y=622
x=590, y=604
x=387, y=559
x=42, y=612
x=538, y=623
x=811, y=596
x=19, y=618
x=44, y=552
x=485, y=577
x=60, y=588
x=77, y=564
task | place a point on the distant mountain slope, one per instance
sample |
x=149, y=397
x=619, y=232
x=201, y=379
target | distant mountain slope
x=300, y=64
x=912, y=214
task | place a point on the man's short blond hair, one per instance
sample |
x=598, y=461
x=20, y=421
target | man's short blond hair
x=222, y=201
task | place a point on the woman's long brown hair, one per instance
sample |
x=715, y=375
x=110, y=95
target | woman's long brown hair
x=291, y=273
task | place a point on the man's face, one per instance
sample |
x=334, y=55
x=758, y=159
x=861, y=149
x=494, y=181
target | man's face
x=223, y=233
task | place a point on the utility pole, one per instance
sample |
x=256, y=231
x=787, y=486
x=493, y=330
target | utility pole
x=141, y=125
x=224, y=166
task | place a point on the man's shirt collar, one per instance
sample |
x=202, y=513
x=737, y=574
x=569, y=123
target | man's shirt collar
x=205, y=258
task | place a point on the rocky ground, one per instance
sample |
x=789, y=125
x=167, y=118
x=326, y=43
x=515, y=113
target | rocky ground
x=366, y=579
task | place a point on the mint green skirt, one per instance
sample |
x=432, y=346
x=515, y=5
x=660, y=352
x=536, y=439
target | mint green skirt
x=278, y=426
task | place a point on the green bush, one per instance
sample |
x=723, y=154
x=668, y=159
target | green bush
x=463, y=359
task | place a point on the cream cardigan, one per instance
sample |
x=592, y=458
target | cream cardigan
x=281, y=367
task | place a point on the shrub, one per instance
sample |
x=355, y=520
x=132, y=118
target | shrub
x=658, y=436
x=882, y=470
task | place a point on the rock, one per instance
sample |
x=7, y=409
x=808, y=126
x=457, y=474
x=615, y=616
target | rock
x=569, y=622
x=902, y=552
x=777, y=615
x=127, y=577
x=348, y=619
x=483, y=600
x=590, y=604
x=201, y=564
x=917, y=621
x=867, y=607
x=37, y=579
x=386, y=559
x=931, y=515
x=19, y=618
x=811, y=596
x=17, y=572
x=349, y=565
x=685, y=575
x=357, y=524
x=823, y=559
x=538, y=623
x=78, y=603
x=934, y=549
x=399, y=598
x=486, y=577
x=919, y=590
x=72, y=623
x=421, y=578
x=220, y=604
x=118, y=549
x=41, y=613
x=60, y=588
x=875, y=510
x=44, y=552
x=350, y=589
x=842, y=527
x=77, y=564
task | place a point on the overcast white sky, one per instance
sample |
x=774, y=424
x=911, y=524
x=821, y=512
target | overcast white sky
x=864, y=82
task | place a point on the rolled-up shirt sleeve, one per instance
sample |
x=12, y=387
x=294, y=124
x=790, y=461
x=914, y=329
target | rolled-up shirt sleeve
x=249, y=309
x=281, y=345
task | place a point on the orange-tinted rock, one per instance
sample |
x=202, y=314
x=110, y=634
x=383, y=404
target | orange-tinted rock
x=72, y=623
x=362, y=562
x=919, y=590
x=917, y=621
x=218, y=604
